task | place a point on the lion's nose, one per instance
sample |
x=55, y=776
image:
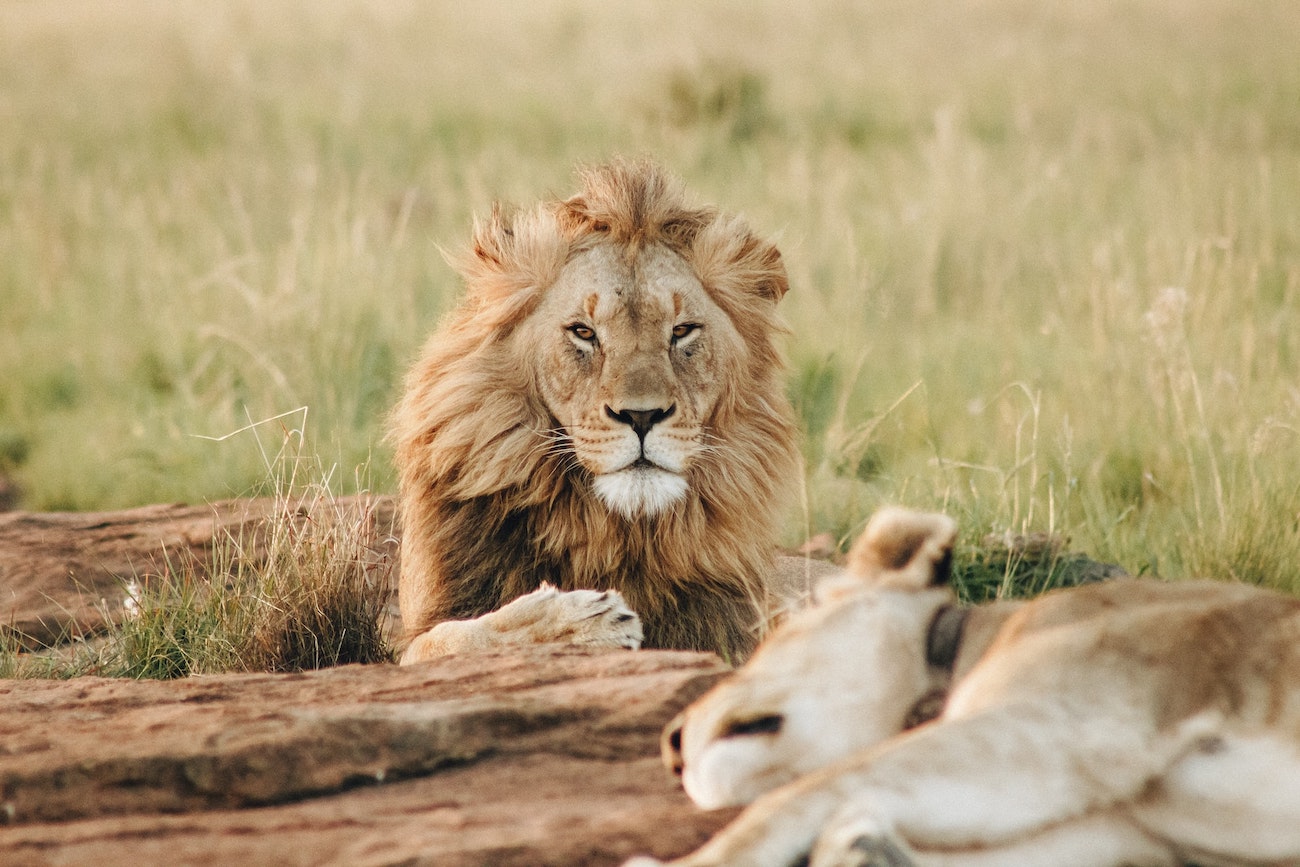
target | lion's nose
x=670, y=745
x=640, y=420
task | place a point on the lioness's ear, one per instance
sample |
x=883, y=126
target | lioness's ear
x=489, y=262
x=905, y=550
x=575, y=218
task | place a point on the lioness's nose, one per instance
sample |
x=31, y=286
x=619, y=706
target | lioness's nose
x=670, y=745
x=640, y=420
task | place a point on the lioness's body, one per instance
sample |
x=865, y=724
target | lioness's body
x=1130, y=722
x=605, y=410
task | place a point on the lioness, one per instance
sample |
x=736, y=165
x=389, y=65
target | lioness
x=604, y=413
x=1130, y=722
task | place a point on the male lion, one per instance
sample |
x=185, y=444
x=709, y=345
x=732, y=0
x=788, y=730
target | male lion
x=1130, y=722
x=603, y=412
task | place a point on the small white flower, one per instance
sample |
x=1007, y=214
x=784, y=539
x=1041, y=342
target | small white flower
x=131, y=602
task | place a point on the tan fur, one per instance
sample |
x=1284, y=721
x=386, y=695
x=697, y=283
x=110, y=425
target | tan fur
x=1128, y=722
x=504, y=427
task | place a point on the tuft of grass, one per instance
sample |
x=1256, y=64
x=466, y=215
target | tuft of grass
x=307, y=589
x=68, y=657
x=307, y=586
x=10, y=662
x=321, y=596
x=1013, y=566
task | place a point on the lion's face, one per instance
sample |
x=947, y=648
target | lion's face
x=634, y=355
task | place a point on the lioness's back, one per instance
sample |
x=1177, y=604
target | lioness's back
x=1181, y=646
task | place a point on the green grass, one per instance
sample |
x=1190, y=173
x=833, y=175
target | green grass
x=310, y=592
x=217, y=213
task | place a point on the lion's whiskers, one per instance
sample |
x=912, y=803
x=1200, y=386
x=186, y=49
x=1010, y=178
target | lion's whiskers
x=546, y=486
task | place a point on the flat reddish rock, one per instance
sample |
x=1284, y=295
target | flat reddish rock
x=547, y=756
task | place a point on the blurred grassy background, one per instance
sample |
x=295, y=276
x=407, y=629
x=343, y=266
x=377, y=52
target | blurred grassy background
x=1045, y=258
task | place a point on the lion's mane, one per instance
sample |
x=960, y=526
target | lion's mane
x=491, y=508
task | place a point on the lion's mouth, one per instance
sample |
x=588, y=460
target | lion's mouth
x=641, y=489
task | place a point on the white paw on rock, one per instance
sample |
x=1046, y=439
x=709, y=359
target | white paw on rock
x=591, y=618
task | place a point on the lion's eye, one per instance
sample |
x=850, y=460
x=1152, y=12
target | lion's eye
x=686, y=329
x=582, y=332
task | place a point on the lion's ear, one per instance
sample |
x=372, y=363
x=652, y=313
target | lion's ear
x=736, y=263
x=772, y=281
x=905, y=550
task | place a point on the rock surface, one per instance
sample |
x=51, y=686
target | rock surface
x=547, y=756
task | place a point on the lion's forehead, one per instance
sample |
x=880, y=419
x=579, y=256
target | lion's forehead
x=611, y=286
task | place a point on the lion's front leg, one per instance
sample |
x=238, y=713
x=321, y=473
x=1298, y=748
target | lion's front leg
x=590, y=618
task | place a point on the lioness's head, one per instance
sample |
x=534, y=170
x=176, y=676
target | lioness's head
x=836, y=678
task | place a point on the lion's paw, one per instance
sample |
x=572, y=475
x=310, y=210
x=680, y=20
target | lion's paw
x=858, y=843
x=591, y=618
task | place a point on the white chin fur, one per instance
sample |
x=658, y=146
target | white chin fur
x=639, y=491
